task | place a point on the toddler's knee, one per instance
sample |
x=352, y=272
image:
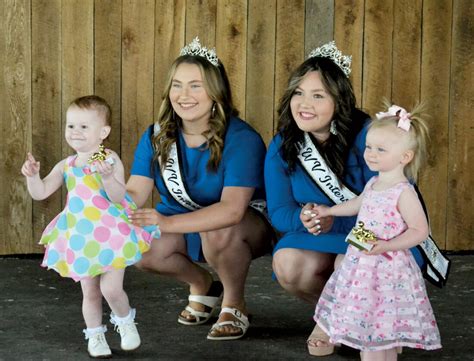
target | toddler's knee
x=92, y=294
x=112, y=293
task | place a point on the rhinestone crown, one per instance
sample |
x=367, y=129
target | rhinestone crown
x=195, y=48
x=331, y=51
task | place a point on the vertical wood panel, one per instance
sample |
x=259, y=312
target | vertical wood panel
x=319, y=23
x=289, y=45
x=231, y=45
x=461, y=136
x=169, y=39
x=349, y=37
x=122, y=50
x=201, y=21
x=435, y=82
x=46, y=103
x=77, y=54
x=15, y=60
x=137, y=74
x=107, y=62
x=406, y=52
x=377, y=54
x=261, y=66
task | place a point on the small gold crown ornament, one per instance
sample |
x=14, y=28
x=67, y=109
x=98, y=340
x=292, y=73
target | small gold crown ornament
x=195, y=48
x=331, y=51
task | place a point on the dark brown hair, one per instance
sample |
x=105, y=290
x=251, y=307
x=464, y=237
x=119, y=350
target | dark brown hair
x=348, y=119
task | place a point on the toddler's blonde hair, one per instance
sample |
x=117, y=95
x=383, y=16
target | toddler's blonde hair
x=418, y=137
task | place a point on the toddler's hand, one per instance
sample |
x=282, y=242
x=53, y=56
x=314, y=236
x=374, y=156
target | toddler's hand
x=31, y=167
x=324, y=217
x=104, y=168
x=322, y=210
x=380, y=247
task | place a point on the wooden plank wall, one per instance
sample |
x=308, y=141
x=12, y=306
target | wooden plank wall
x=52, y=51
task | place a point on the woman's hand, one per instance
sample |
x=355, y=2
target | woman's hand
x=148, y=217
x=313, y=221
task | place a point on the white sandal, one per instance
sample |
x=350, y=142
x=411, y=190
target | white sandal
x=242, y=322
x=212, y=302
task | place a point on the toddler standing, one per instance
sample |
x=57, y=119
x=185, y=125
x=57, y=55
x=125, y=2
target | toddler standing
x=92, y=240
x=376, y=300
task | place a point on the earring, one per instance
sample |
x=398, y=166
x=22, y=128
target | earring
x=213, y=110
x=333, y=129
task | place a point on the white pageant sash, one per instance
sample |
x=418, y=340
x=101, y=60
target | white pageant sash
x=324, y=177
x=437, y=265
x=174, y=182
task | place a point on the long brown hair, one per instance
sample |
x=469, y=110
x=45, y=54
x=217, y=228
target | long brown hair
x=349, y=120
x=217, y=86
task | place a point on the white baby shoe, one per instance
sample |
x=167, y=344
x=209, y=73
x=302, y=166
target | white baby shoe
x=97, y=345
x=126, y=327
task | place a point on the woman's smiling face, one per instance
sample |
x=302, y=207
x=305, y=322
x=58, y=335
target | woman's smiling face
x=312, y=106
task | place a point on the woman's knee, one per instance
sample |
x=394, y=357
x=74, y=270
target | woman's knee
x=218, y=241
x=155, y=259
x=286, y=266
x=145, y=264
x=291, y=265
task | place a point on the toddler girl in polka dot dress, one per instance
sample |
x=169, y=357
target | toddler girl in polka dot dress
x=92, y=240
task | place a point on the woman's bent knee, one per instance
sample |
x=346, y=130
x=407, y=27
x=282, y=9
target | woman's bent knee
x=286, y=266
x=290, y=264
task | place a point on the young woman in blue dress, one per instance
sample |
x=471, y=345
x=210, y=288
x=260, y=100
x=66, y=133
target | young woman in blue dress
x=207, y=165
x=315, y=159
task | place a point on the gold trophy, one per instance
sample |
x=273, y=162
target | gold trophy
x=359, y=237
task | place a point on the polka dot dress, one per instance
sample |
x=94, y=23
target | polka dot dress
x=91, y=235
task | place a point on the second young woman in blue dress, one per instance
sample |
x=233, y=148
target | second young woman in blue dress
x=207, y=165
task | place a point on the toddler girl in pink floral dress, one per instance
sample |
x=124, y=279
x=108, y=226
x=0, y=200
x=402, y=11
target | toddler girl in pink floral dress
x=376, y=300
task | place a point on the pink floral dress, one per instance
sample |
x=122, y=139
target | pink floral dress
x=371, y=303
x=92, y=235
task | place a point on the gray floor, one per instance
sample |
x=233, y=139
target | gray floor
x=40, y=318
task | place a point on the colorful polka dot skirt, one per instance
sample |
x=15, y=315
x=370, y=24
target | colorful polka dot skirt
x=91, y=235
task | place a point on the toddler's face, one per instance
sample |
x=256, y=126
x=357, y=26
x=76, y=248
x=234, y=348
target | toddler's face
x=85, y=130
x=386, y=149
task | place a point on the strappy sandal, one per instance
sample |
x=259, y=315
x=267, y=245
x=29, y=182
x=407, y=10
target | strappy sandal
x=241, y=322
x=211, y=301
x=318, y=335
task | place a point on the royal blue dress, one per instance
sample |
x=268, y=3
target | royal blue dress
x=288, y=192
x=241, y=165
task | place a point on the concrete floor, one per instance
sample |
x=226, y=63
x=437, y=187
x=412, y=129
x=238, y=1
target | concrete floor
x=40, y=318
